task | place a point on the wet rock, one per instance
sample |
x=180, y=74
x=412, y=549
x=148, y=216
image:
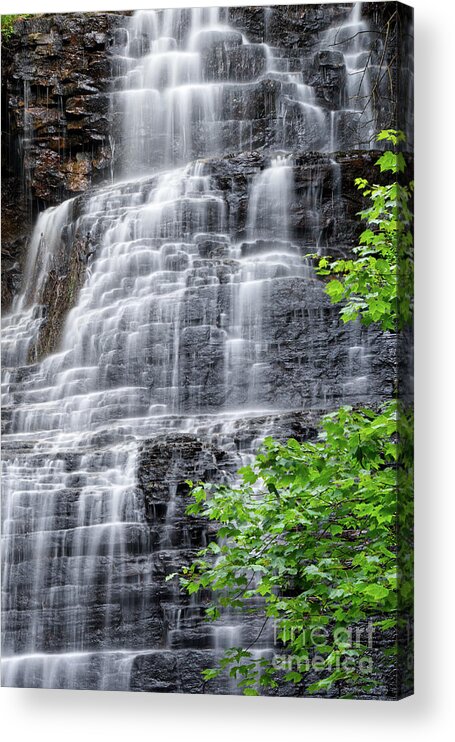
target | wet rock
x=212, y=249
x=155, y=672
x=66, y=277
x=15, y=226
x=120, y=37
x=56, y=72
x=78, y=171
x=166, y=464
x=226, y=58
x=328, y=58
x=190, y=665
x=330, y=79
x=95, y=40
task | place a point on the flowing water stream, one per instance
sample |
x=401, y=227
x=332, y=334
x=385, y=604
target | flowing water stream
x=178, y=329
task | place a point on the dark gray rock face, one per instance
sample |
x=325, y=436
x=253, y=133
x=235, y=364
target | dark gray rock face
x=56, y=73
x=167, y=319
x=305, y=354
x=330, y=79
x=164, y=465
x=58, y=116
x=58, y=70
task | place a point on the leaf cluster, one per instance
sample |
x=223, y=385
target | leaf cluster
x=310, y=531
x=314, y=532
x=377, y=284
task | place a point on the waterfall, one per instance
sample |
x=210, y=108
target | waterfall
x=180, y=326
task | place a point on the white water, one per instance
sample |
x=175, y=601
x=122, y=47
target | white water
x=163, y=338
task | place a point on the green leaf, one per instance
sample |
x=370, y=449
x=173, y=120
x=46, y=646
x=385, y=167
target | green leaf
x=248, y=475
x=335, y=290
x=376, y=592
x=211, y=673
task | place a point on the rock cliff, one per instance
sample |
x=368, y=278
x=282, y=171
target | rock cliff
x=167, y=318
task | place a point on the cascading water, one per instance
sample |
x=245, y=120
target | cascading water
x=175, y=331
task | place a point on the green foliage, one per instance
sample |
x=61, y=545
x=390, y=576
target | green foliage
x=8, y=21
x=377, y=285
x=310, y=531
x=315, y=533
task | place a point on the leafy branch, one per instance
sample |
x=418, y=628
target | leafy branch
x=329, y=562
x=377, y=284
x=314, y=535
